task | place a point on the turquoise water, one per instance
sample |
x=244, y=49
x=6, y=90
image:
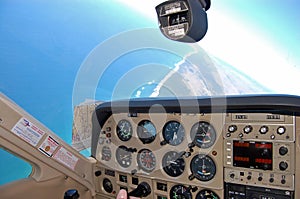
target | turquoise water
x=43, y=44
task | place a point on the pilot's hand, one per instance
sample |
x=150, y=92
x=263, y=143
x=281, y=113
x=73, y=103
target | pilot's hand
x=123, y=195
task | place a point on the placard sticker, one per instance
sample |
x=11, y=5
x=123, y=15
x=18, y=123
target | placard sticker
x=48, y=146
x=28, y=131
x=66, y=158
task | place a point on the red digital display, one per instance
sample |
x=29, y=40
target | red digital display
x=254, y=155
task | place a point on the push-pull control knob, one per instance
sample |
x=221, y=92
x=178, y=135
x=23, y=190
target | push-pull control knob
x=142, y=190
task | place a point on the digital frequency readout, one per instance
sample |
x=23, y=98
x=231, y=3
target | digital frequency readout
x=254, y=155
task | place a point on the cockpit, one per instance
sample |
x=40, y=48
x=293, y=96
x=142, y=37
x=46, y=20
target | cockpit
x=153, y=110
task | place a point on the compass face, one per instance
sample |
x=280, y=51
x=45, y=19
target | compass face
x=146, y=160
x=173, y=164
x=124, y=130
x=173, y=133
x=203, y=134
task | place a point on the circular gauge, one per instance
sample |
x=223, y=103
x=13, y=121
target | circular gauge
x=146, y=131
x=107, y=185
x=203, y=134
x=180, y=192
x=123, y=156
x=203, y=167
x=146, y=160
x=124, y=130
x=106, y=153
x=173, y=164
x=173, y=133
x=207, y=194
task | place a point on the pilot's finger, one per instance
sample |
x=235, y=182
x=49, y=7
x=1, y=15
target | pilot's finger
x=122, y=194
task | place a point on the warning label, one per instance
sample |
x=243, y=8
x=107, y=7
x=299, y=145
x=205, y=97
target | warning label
x=28, y=131
x=49, y=146
x=65, y=157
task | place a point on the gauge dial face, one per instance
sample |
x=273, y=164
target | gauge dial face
x=203, y=134
x=123, y=156
x=180, y=192
x=203, y=167
x=173, y=164
x=146, y=131
x=124, y=130
x=146, y=160
x=207, y=194
x=106, y=153
x=107, y=185
x=173, y=133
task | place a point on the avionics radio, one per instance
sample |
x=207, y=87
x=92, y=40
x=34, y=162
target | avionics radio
x=258, y=152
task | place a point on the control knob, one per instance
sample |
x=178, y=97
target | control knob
x=283, y=166
x=248, y=129
x=283, y=150
x=142, y=190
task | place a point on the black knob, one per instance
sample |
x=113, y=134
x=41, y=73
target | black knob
x=283, y=150
x=164, y=142
x=249, y=177
x=283, y=166
x=98, y=173
x=260, y=178
x=142, y=190
x=232, y=175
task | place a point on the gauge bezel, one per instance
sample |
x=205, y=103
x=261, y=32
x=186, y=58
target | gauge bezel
x=180, y=132
x=125, y=150
x=143, y=129
x=106, y=152
x=120, y=132
x=166, y=166
x=175, y=188
x=203, y=157
x=106, y=188
x=195, y=131
x=140, y=161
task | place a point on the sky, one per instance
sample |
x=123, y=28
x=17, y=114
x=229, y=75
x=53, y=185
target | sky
x=260, y=38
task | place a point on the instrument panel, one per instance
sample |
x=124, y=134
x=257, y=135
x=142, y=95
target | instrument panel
x=224, y=154
x=168, y=148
